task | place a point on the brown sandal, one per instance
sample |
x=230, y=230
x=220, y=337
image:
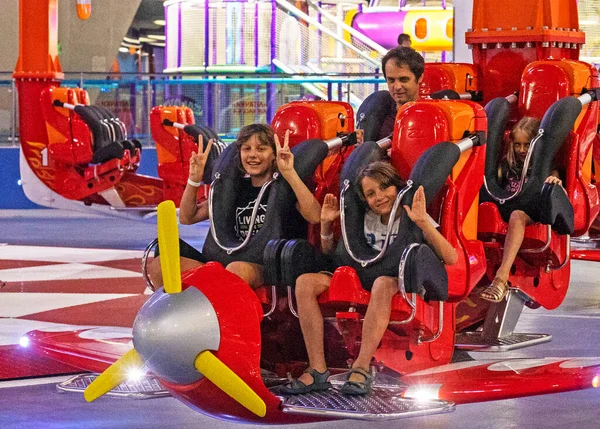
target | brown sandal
x=496, y=291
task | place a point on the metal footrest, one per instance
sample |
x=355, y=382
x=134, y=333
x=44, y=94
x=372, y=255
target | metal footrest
x=473, y=341
x=380, y=404
x=146, y=387
x=380, y=381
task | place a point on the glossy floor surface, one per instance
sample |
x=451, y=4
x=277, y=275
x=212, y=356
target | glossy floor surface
x=63, y=268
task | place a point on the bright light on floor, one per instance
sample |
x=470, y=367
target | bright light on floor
x=24, y=341
x=423, y=393
x=135, y=374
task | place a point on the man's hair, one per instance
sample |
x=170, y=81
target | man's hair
x=380, y=171
x=403, y=37
x=405, y=56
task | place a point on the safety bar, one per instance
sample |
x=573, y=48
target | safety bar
x=149, y=248
x=365, y=262
x=589, y=95
x=385, y=143
x=402, y=289
x=550, y=267
x=440, y=327
x=523, y=172
x=512, y=98
x=213, y=231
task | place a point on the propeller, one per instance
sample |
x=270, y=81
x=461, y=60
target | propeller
x=168, y=243
x=209, y=365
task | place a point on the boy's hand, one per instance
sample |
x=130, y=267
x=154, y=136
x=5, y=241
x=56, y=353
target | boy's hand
x=285, y=158
x=198, y=160
x=418, y=213
x=330, y=210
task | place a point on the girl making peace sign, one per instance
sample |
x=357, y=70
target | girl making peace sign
x=260, y=155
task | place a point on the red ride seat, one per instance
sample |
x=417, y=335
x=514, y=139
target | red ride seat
x=79, y=135
x=543, y=83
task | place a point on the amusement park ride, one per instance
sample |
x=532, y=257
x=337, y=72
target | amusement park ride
x=223, y=348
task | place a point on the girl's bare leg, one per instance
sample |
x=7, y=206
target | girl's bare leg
x=512, y=243
x=308, y=288
x=155, y=271
x=249, y=272
x=376, y=321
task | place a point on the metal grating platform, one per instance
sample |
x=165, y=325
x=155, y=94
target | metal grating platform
x=146, y=387
x=473, y=341
x=380, y=404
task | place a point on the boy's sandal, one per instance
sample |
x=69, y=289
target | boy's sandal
x=496, y=291
x=297, y=387
x=358, y=387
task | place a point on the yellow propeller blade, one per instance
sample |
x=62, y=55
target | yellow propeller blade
x=113, y=376
x=225, y=379
x=168, y=243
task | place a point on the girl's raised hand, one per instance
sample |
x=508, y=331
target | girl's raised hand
x=331, y=209
x=418, y=213
x=198, y=160
x=285, y=157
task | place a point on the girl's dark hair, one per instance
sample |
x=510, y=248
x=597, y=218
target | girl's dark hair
x=380, y=171
x=264, y=133
x=530, y=126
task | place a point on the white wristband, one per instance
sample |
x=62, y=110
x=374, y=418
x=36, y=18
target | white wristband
x=194, y=184
x=327, y=237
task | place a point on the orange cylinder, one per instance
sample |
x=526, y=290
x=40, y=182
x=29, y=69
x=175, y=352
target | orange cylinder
x=84, y=9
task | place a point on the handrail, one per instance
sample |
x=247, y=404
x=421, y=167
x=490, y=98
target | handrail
x=145, y=264
x=551, y=267
x=213, y=231
x=365, y=262
x=357, y=34
x=273, y=301
x=402, y=289
x=299, y=14
x=546, y=244
x=440, y=329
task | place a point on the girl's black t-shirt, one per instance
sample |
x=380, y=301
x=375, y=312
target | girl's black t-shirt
x=245, y=201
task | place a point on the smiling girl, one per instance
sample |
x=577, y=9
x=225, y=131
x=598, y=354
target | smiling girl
x=260, y=155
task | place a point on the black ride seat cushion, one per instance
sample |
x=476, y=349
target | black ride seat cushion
x=104, y=148
x=376, y=116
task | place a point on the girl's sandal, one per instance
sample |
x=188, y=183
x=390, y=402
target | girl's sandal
x=496, y=291
x=358, y=387
x=297, y=387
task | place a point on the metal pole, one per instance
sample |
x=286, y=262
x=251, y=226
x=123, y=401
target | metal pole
x=206, y=33
x=271, y=93
x=13, y=112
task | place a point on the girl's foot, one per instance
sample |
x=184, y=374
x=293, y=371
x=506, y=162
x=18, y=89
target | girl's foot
x=496, y=291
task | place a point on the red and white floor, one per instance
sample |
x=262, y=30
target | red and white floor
x=51, y=286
